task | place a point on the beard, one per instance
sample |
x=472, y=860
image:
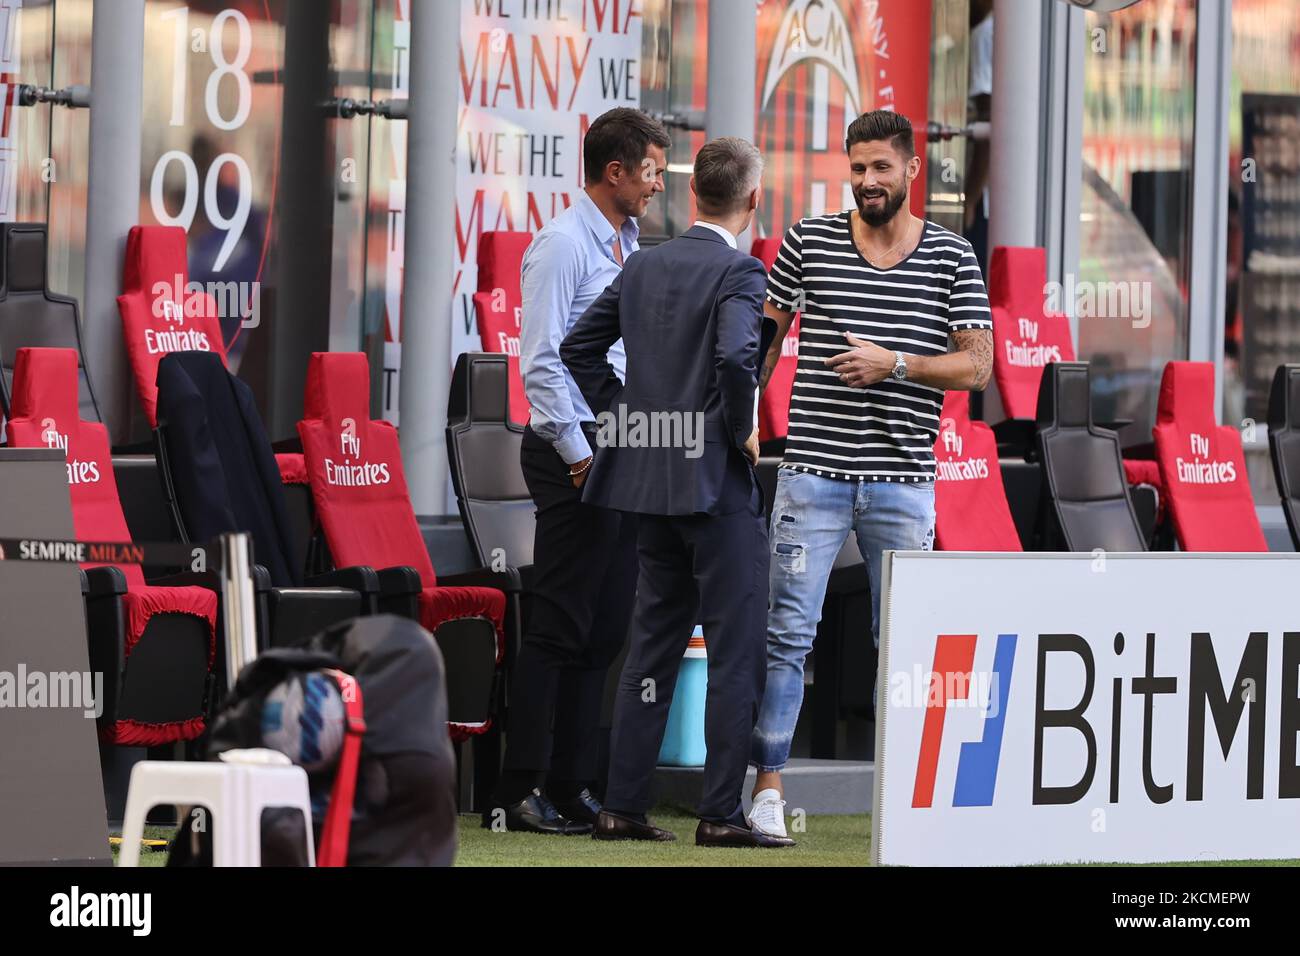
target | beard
x=629, y=206
x=878, y=216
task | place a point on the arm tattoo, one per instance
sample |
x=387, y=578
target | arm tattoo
x=769, y=366
x=978, y=344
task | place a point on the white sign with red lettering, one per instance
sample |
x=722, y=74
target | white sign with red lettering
x=533, y=77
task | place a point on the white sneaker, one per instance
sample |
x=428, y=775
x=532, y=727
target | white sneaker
x=767, y=815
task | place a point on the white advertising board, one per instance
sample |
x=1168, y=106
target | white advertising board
x=533, y=77
x=1066, y=708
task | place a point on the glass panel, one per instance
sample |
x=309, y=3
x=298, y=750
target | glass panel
x=246, y=145
x=26, y=34
x=1262, y=320
x=210, y=155
x=386, y=209
x=674, y=74
x=1130, y=294
x=69, y=151
x=949, y=72
x=350, y=50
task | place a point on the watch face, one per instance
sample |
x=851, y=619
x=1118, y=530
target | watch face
x=900, y=371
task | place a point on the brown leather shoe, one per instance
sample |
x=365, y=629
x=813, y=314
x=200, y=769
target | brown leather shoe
x=729, y=834
x=612, y=826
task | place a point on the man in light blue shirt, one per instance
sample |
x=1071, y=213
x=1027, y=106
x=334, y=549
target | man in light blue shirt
x=584, y=557
x=570, y=262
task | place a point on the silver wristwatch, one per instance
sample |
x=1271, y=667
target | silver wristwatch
x=900, y=367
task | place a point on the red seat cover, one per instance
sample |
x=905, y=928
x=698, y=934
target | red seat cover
x=357, y=482
x=1025, y=335
x=498, y=304
x=45, y=416
x=500, y=259
x=1140, y=471
x=970, y=502
x=497, y=315
x=293, y=468
x=1202, y=466
x=154, y=322
x=774, y=405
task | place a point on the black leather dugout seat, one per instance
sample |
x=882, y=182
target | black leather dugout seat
x=1085, y=503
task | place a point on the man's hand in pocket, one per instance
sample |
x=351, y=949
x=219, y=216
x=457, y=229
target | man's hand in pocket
x=578, y=471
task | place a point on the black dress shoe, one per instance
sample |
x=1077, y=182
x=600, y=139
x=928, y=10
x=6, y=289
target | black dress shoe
x=536, y=814
x=612, y=826
x=582, y=807
x=729, y=834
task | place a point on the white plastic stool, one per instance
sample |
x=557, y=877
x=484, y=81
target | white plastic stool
x=235, y=793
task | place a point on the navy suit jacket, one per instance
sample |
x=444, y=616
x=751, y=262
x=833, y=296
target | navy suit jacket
x=670, y=441
x=221, y=461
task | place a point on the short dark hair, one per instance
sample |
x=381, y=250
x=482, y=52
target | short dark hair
x=727, y=170
x=620, y=135
x=882, y=124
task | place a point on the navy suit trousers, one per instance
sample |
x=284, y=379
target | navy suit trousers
x=710, y=570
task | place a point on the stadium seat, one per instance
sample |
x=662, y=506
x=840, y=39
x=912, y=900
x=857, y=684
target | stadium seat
x=1202, y=466
x=220, y=475
x=970, y=503
x=1147, y=490
x=483, y=450
x=154, y=323
x=155, y=646
x=359, y=487
x=31, y=316
x=1284, y=443
x=303, y=523
x=144, y=501
x=1026, y=337
x=498, y=305
x=1085, y=503
x=774, y=405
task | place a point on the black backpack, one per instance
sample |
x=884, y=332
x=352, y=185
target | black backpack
x=395, y=803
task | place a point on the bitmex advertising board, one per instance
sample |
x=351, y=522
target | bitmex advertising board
x=1087, y=708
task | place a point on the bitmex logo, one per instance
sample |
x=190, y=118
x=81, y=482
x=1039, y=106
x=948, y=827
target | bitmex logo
x=1227, y=703
x=977, y=770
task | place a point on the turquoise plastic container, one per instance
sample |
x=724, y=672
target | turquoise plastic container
x=683, y=744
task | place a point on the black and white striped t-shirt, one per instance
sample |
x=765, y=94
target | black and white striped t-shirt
x=885, y=432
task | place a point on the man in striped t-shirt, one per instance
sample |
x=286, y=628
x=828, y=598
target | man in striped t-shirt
x=882, y=295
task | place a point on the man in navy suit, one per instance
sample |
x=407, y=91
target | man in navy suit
x=677, y=445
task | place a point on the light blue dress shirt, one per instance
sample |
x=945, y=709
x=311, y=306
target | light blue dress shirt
x=569, y=262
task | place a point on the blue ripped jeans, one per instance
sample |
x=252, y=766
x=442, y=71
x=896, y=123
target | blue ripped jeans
x=811, y=517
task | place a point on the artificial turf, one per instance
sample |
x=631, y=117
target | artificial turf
x=826, y=841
